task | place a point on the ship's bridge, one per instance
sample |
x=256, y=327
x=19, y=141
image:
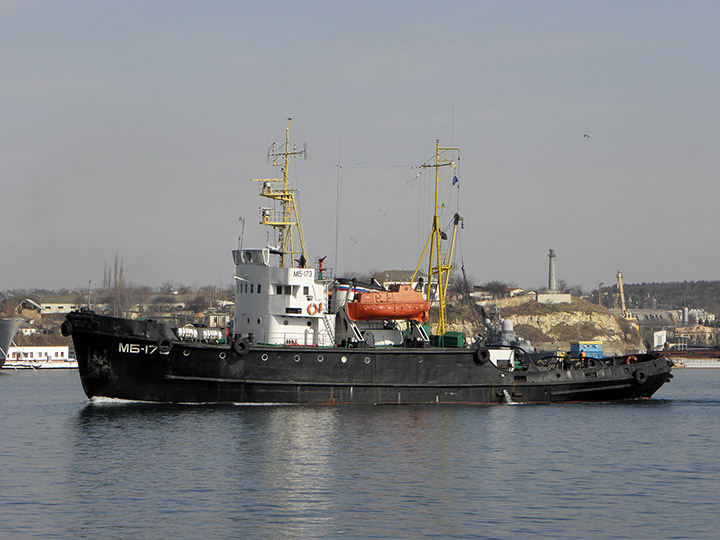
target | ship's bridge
x=277, y=305
x=252, y=256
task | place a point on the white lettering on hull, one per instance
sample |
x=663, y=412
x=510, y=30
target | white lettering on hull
x=136, y=348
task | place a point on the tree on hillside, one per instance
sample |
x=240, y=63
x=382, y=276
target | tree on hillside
x=496, y=287
x=166, y=288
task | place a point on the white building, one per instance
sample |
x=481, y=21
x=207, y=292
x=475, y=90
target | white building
x=50, y=309
x=37, y=357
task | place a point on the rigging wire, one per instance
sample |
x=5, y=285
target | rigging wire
x=337, y=203
x=362, y=165
x=364, y=233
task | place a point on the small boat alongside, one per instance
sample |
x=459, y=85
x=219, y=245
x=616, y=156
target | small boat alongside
x=300, y=336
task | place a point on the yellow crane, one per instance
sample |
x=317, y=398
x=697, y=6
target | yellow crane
x=620, y=293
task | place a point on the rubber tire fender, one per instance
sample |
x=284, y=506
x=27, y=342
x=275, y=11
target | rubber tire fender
x=640, y=376
x=481, y=355
x=241, y=346
x=66, y=328
x=164, y=345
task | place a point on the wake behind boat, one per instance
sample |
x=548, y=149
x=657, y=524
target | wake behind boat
x=302, y=337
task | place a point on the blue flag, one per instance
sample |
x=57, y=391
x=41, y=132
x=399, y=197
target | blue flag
x=455, y=180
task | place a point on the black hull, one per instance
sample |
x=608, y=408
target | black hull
x=128, y=359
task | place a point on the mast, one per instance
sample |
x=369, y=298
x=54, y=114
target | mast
x=287, y=219
x=439, y=262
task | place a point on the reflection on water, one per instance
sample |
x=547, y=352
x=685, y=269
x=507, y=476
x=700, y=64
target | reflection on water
x=642, y=469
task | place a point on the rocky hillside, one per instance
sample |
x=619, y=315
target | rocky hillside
x=552, y=327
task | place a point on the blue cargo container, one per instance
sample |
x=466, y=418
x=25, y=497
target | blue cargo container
x=593, y=349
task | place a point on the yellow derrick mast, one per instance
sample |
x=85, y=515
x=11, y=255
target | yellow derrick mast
x=440, y=259
x=620, y=295
x=287, y=219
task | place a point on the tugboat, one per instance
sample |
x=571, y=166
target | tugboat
x=301, y=336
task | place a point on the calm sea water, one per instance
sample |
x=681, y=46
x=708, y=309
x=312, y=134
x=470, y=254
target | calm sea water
x=78, y=469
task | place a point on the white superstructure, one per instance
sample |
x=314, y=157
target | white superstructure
x=280, y=306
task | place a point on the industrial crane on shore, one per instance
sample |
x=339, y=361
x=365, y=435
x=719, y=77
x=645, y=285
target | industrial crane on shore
x=620, y=295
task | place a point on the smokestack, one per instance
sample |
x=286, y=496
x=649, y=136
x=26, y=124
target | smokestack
x=552, y=286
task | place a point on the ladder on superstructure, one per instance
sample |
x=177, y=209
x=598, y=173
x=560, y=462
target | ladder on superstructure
x=328, y=328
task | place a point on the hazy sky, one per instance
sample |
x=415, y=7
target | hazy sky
x=134, y=128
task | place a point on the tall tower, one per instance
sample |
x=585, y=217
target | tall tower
x=552, y=285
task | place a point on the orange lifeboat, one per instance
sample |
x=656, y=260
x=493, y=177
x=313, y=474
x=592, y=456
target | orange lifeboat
x=400, y=302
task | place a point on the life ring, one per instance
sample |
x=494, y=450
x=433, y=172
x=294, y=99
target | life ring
x=320, y=307
x=241, y=346
x=66, y=328
x=631, y=360
x=482, y=355
x=312, y=309
x=164, y=345
x=640, y=376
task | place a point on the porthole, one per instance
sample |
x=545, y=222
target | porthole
x=222, y=356
x=420, y=359
x=343, y=359
x=285, y=323
x=366, y=359
x=297, y=358
x=320, y=358
x=264, y=357
x=259, y=321
x=186, y=352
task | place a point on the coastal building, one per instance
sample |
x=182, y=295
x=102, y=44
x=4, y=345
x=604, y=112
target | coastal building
x=40, y=357
x=650, y=322
x=53, y=309
x=553, y=297
x=698, y=335
x=39, y=353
